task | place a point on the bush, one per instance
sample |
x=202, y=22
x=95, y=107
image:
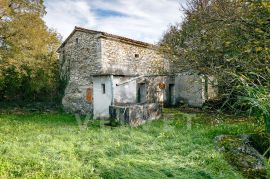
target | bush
x=231, y=41
x=256, y=99
x=27, y=84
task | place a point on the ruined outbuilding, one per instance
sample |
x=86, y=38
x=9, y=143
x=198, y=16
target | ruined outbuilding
x=106, y=74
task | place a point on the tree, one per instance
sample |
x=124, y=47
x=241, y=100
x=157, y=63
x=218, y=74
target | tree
x=226, y=39
x=28, y=48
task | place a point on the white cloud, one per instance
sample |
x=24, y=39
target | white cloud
x=65, y=14
x=141, y=20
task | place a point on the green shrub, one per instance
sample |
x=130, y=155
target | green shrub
x=257, y=100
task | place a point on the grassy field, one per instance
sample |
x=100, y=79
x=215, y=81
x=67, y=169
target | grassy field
x=36, y=145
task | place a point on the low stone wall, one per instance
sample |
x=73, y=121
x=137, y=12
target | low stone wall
x=135, y=114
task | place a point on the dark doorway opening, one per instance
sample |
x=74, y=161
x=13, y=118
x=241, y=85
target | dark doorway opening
x=171, y=95
x=141, y=93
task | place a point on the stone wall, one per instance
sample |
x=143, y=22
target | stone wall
x=86, y=54
x=78, y=60
x=154, y=93
x=129, y=59
x=135, y=115
x=212, y=88
x=190, y=89
x=195, y=89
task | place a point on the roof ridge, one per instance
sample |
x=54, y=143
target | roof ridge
x=115, y=36
x=108, y=35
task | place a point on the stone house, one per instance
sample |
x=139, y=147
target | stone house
x=102, y=70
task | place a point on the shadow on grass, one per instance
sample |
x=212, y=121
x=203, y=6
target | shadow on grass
x=55, y=119
x=40, y=118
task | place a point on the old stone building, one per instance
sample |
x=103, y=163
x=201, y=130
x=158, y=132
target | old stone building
x=86, y=53
x=103, y=70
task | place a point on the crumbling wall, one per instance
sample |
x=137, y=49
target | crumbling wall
x=212, y=88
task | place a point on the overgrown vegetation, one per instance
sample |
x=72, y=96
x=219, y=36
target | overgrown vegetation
x=37, y=145
x=28, y=58
x=229, y=40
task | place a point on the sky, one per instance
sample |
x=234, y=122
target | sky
x=144, y=20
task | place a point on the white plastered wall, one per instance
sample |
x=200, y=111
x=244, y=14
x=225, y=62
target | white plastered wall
x=190, y=88
x=125, y=93
x=101, y=100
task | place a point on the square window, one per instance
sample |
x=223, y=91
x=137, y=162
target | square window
x=137, y=55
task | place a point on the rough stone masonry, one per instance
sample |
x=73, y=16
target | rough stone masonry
x=86, y=53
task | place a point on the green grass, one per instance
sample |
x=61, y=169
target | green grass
x=40, y=145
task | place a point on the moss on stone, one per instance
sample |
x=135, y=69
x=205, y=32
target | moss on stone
x=240, y=154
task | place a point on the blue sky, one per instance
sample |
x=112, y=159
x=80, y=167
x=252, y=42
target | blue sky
x=144, y=20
